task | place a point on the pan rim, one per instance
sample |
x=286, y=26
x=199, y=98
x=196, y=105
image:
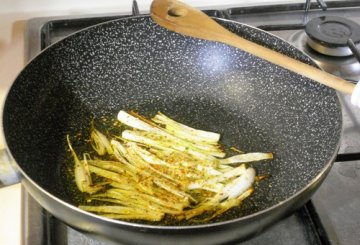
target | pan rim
x=317, y=178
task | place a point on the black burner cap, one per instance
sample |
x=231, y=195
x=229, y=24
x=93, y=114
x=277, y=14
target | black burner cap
x=333, y=31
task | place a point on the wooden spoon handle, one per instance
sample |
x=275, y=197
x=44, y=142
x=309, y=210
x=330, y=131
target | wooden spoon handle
x=186, y=20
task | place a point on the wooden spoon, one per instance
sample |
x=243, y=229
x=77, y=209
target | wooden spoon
x=186, y=20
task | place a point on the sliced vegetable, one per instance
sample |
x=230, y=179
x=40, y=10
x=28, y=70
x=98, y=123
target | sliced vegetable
x=158, y=168
x=81, y=173
x=185, y=132
x=248, y=157
x=100, y=143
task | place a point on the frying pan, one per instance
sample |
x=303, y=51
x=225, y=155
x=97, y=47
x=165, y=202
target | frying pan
x=135, y=64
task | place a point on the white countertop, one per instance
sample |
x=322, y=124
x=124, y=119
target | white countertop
x=13, y=17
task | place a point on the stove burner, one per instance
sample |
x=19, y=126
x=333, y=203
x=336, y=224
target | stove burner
x=347, y=67
x=330, y=35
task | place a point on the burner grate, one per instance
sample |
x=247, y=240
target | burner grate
x=330, y=35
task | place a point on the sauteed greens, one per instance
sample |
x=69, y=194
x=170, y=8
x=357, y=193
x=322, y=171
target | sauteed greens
x=159, y=167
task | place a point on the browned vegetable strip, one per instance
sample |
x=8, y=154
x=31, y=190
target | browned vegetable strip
x=134, y=216
x=152, y=170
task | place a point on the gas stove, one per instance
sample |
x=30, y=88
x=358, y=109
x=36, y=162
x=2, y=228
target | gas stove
x=332, y=216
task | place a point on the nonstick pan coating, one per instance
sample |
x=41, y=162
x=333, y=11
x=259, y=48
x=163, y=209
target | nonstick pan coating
x=135, y=64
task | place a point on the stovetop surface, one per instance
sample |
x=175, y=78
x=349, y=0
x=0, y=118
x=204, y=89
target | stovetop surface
x=331, y=217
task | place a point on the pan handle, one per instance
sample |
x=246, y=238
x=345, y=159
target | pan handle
x=9, y=173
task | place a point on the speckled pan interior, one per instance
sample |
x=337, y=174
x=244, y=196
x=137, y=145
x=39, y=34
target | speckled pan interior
x=135, y=64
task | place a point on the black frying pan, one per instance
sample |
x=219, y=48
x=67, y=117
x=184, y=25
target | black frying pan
x=135, y=64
